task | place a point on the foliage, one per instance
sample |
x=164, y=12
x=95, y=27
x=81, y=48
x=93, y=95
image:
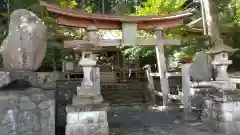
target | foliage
x=154, y=7
x=68, y=3
x=159, y=7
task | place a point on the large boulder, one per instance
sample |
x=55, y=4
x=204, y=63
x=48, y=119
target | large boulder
x=24, y=47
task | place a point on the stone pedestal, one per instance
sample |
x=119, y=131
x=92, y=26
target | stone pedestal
x=88, y=119
x=221, y=111
x=87, y=115
x=28, y=112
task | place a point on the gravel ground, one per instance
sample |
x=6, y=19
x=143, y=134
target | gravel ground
x=148, y=121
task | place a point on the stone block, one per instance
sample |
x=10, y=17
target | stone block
x=217, y=115
x=24, y=116
x=87, y=129
x=231, y=127
x=86, y=117
x=87, y=107
x=86, y=91
x=5, y=78
x=83, y=100
x=223, y=111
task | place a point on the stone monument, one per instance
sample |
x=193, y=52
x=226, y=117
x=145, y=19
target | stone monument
x=201, y=68
x=87, y=115
x=24, y=47
x=32, y=110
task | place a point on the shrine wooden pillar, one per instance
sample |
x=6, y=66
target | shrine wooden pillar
x=122, y=73
x=161, y=62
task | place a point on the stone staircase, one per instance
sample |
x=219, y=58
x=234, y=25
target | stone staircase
x=125, y=94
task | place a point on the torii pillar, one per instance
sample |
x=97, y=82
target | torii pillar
x=161, y=62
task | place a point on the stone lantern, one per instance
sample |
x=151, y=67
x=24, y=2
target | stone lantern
x=89, y=88
x=87, y=114
x=221, y=105
x=220, y=54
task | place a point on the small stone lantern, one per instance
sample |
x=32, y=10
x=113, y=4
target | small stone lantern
x=87, y=86
x=220, y=54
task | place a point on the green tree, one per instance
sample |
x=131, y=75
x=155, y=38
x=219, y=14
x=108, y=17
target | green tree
x=155, y=7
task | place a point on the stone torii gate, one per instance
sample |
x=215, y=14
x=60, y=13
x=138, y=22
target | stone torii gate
x=129, y=26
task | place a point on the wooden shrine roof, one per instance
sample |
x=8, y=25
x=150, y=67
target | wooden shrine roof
x=76, y=18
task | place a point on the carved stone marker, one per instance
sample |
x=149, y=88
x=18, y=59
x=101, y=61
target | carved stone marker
x=201, y=68
x=24, y=47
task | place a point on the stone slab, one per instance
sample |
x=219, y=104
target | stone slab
x=201, y=68
x=86, y=117
x=87, y=91
x=223, y=106
x=87, y=107
x=87, y=129
x=227, y=111
x=77, y=100
x=220, y=116
x=229, y=128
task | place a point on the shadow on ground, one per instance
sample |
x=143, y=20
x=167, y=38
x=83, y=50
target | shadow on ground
x=146, y=121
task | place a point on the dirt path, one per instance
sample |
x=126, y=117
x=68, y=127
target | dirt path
x=146, y=121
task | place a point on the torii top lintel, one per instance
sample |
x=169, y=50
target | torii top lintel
x=80, y=19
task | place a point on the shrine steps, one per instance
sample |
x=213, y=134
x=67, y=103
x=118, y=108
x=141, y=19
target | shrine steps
x=130, y=93
x=124, y=93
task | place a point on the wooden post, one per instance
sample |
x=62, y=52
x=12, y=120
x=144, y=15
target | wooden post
x=186, y=86
x=124, y=70
x=161, y=61
x=151, y=86
x=122, y=67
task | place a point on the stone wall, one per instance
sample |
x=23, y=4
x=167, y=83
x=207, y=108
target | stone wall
x=221, y=111
x=44, y=80
x=29, y=112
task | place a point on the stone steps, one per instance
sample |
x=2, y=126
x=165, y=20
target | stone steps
x=124, y=94
x=126, y=104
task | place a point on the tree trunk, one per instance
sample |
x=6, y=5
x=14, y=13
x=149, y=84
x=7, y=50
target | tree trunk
x=212, y=21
